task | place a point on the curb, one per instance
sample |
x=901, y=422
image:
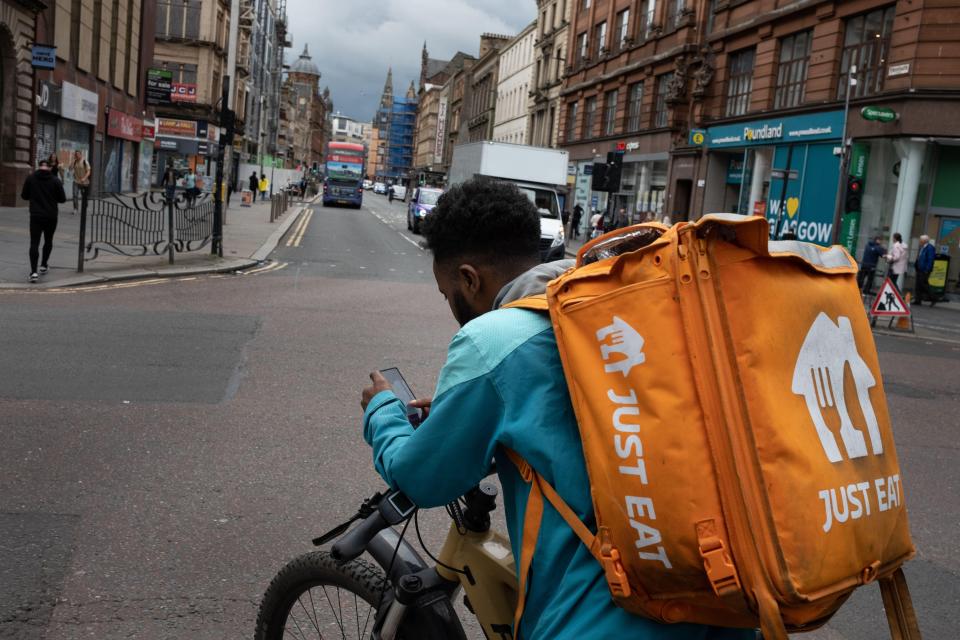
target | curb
x=224, y=265
x=913, y=336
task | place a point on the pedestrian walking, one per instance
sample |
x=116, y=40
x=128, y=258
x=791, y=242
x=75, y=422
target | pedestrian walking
x=43, y=190
x=622, y=219
x=575, y=222
x=230, y=190
x=596, y=225
x=868, y=264
x=254, y=184
x=190, y=186
x=169, y=181
x=81, y=180
x=923, y=266
x=898, y=258
x=264, y=186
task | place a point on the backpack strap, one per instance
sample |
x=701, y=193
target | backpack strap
x=534, y=303
x=598, y=545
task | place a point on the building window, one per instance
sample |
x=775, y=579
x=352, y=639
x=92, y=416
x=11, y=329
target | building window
x=589, y=111
x=739, y=82
x=675, y=10
x=648, y=11
x=600, y=33
x=609, y=112
x=582, y=47
x=660, y=103
x=585, y=5
x=178, y=18
x=634, y=106
x=792, y=70
x=866, y=44
x=571, y=121
x=623, y=28
x=711, y=15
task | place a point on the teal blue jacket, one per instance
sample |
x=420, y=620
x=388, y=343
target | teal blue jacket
x=503, y=386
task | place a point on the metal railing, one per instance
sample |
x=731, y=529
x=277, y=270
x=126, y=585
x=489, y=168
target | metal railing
x=147, y=224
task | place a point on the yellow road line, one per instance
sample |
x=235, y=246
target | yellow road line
x=303, y=228
x=294, y=239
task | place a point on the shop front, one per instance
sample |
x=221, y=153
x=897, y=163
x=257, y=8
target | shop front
x=186, y=144
x=49, y=107
x=121, y=151
x=784, y=168
x=79, y=109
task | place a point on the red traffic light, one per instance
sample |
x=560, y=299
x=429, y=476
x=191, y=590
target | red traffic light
x=855, y=185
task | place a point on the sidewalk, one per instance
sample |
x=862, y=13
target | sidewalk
x=248, y=237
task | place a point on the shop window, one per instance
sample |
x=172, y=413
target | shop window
x=623, y=28
x=739, y=82
x=660, y=103
x=866, y=44
x=600, y=34
x=792, y=70
x=571, y=122
x=634, y=106
x=589, y=112
x=609, y=112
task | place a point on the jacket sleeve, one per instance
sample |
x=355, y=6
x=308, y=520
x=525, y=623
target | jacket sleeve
x=25, y=191
x=453, y=448
x=61, y=196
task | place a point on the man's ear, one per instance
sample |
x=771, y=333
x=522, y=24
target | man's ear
x=470, y=278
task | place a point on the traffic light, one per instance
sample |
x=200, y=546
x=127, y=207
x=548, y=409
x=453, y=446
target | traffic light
x=614, y=169
x=854, y=196
x=598, y=180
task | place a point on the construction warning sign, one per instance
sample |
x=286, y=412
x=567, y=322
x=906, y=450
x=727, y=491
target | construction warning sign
x=889, y=302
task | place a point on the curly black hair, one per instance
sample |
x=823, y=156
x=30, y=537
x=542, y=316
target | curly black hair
x=483, y=218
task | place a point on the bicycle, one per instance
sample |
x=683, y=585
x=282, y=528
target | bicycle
x=399, y=595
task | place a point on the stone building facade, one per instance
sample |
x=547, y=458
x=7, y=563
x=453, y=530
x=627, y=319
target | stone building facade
x=515, y=78
x=551, y=57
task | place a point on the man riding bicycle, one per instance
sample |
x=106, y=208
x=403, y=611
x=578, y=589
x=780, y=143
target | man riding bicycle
x=503, y=387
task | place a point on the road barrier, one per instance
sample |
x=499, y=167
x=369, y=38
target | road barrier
x=150, y=223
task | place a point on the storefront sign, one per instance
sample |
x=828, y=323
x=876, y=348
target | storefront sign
x=735, y=170
x=698, y=137
x=159, y=86
x=183, y=92
x=173, y=127
x=125, y=126
x=879, y=114
x=49, y=97
x=149, y=129
x=803, y=128
x=44, y=56
x=441, y=131
x=179, y=145
x=79, y=104
x=804, y=206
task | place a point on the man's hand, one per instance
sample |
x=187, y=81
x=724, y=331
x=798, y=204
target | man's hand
x=379, y=384
x=424, y=405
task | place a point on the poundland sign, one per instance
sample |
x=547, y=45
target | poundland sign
x=803, y=128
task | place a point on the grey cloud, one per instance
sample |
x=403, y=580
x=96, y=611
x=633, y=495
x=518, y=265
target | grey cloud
x=354, y=42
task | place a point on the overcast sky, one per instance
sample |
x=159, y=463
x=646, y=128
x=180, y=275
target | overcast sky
x=353, y=42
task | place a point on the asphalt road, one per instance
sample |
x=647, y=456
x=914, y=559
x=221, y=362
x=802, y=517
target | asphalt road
x=167, y=446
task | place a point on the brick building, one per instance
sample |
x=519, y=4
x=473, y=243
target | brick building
x=711, y=102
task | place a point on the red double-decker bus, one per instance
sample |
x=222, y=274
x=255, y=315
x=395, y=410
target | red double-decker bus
x=344, y=174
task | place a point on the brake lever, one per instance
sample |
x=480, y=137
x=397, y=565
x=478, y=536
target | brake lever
x=368, y=506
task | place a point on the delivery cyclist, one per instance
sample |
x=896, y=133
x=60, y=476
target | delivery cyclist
x=503, y=386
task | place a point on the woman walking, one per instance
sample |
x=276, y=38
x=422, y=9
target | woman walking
x=43, y=190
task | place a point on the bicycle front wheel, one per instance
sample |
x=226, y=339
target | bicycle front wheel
x=314, y=596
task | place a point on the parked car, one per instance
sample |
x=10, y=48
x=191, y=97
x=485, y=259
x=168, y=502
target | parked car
x=380, y=187
x=368, y=184
x=399, y=192
x=422, y=203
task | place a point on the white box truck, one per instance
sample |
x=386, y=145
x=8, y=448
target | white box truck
x=536, y=171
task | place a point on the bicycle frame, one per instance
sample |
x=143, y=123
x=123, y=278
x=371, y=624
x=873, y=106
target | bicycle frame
x=490, y=583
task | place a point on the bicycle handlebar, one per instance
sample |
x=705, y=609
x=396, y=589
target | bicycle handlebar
x=354, y=542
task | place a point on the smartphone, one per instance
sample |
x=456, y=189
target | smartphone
x=403, y=391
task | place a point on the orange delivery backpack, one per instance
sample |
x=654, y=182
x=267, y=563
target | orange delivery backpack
x=735, y=429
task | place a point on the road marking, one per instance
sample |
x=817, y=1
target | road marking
x=297, y=235
x=296, y=229
x=400, y=233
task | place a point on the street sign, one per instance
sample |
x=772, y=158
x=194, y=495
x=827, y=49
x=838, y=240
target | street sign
x=889, y=303
x=778, y=174
x=44, y=56
x=879, y=114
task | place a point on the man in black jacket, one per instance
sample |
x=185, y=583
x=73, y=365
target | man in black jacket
x=44, y=191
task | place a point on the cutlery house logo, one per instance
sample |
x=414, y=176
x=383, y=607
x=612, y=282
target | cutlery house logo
x=624, y=340
x=826, y=352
